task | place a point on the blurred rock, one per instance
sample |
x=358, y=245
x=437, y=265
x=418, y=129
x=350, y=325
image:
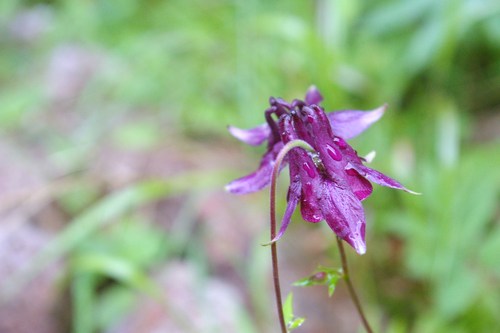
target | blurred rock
x=24, y=211
x=190, y=304
x=70, y=68
x=29, y=25
x=37, y=306
x=228, y=233
x=487, y=127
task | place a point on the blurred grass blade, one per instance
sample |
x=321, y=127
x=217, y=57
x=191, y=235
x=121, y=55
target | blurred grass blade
x=82, y=290
x=107, y=211
x=117, y=268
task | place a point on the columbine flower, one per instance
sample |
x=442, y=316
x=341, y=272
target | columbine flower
x=329, y=182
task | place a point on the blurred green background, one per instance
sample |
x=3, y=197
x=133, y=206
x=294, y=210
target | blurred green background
x=114, y=154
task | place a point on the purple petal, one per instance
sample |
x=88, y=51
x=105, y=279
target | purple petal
x=293, y=199
x=329, y=196
x=252, y=182
x=350, y=123
x=302, y=169
x=344, y=213
x=377, y=177
x=313, y=96
x=361, y=187
x=253, y=136
x=260, y=178
x=309, y=206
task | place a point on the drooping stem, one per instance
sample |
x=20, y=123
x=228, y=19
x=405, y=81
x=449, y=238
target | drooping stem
x=274, y=250
x=277, y=288
x=350, y=287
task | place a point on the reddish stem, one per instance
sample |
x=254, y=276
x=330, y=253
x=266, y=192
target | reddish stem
x=274, y=250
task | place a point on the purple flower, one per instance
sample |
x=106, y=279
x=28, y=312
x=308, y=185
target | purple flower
x=329, y=182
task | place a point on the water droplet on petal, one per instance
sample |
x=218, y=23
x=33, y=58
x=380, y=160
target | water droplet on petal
x=351, y=172
x=308, y=190
x=357, y=242
x=361, y=229
x=309, y=169
x=340, y=142
x=334, y=153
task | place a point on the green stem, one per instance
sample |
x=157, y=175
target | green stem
x=350, y=287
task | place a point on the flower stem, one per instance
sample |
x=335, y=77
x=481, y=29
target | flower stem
x=277, y=288
x=350, y=287
x=274, y=250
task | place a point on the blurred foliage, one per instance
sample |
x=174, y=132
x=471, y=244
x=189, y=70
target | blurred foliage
x=187, y=68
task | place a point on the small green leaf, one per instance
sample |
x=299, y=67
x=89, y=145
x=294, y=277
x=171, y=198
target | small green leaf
x=316, y=279
x=322, y=276
x=296, y=322
x=291, y=321
x=288, y=308
x=332, y=283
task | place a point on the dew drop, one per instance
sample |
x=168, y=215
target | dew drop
x=309, y=169
x=334, y=153
x=340, y=142
x=351, y=172
x=308, y=190
x=361, y=229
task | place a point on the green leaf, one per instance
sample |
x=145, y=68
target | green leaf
x=288, y=307
x=322, y=276
x=113, y=304
x=316, y=279
x=291, y=321
x=296, y=322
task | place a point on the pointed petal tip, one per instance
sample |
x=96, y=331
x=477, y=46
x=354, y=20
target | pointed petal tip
x=312, y=89
x=313, y=96
x=274, y=240
x=253, y=136
x=238, y=187
x=378, y=177
x=350, y=123
x=229, y=188
x=412, y=192
x=356, y=241
x=370, y=156
x=377, y=113
x=358, y=244
x=292, y=204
